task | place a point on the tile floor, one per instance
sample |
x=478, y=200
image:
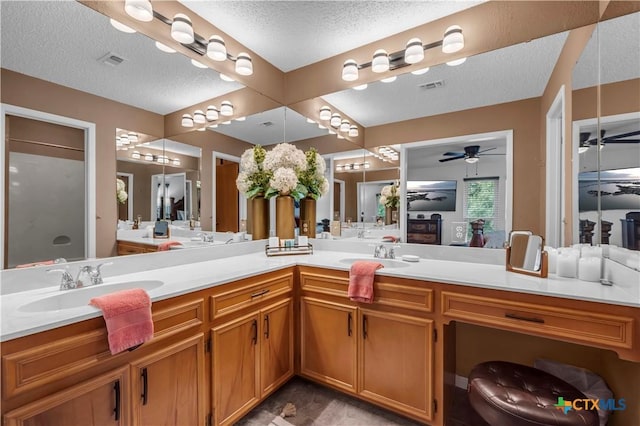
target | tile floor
x=319, y=406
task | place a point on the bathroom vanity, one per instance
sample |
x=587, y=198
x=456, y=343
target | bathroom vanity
x=230, y=330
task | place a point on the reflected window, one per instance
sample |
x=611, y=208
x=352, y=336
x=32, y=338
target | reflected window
x=481, y=200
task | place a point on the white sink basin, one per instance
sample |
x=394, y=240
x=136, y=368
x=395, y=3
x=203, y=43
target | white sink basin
x=69, y=299
x=387, y=263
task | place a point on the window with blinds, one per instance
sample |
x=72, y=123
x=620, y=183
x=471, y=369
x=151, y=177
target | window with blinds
x=482, y=200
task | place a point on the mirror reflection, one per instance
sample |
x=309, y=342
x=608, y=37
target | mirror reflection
x=525, y=252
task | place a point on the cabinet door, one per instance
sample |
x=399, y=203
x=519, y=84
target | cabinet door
x=99, y=401
x=168, y=385
x=276, y=352
x=328, y=343
x=396, y=361
x=235, y=375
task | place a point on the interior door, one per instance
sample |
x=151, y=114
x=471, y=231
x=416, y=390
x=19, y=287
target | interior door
x=227, y=196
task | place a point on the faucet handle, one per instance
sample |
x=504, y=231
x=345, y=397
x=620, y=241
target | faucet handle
x=66, y=281
x=103, y=264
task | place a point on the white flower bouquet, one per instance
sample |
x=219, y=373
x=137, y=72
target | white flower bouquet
x=389, y=196
x=312, y=178
x=121, y=193
x=285, y=163
x=253, y=178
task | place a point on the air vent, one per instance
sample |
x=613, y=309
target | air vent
x=112, y=59
x=432, y=85
x=267, y=124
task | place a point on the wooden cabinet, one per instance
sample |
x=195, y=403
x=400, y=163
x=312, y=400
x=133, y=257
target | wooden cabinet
x=396, y=362
x=102, y=400
x=424, y=231
x=252, y=356
x=168, y=385
x=381, y=352
x=127, y=247
x=328, y=342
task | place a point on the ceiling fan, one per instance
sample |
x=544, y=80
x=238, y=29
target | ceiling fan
x=471, y=154
x=585, y=142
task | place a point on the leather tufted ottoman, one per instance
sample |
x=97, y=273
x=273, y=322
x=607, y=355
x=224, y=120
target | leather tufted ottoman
x=508, y=394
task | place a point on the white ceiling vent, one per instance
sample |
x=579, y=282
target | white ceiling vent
x=112, y=59
x=432, y=85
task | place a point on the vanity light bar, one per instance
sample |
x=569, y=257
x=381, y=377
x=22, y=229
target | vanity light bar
x=160, y=159
x=352, y=166
x=214, y=47
x=212, y=114
x=452, y=42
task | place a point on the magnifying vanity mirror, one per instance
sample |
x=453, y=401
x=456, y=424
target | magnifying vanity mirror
x=525, y=254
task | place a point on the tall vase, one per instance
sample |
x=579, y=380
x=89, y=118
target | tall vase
x=308, y=217
x=390, y=215
x=258, y=225
x=285, y=221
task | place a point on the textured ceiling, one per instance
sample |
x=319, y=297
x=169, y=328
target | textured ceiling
x=292, y=34
x=61, y=42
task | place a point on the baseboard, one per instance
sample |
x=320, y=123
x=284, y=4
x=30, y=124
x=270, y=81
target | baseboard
x=461, y=382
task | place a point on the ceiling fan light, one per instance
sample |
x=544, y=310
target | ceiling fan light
x=453, y=40
x=335, y=120
x=139, y=9
x=164, y=48
x=456, y=62
x=345, y=126
x=350, y=70
x=199, y=117
x=216, y=49
x=187, y=121
x=420, y=71
x=212, y=113
x=244, y=66
x=380, y=62
x=121, y=27
x=471, y=160
x=414, y=52
x=226, y=109
x=353, y=131
x=181, y=29
x=325, y=113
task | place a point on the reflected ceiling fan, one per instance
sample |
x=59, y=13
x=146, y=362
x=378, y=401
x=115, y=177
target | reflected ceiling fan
x=585, y=142
x=471, y=154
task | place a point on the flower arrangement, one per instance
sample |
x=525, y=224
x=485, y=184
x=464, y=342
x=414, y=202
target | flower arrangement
x=285, y=163
x=312, y=178
x=121, y=194
x=253, y=178
x=389, y=196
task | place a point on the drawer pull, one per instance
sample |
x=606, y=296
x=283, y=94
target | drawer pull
x=116, y=410
x=145, y=386
x=521, y=318
x=266, y=326
x=349, y=319
x=259, y=293
x=254, y=326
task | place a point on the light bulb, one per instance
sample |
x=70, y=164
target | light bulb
x=216, y=48
x=244, y=66
x=350, y=70
x=226, y=108
x=414, y=51
x=453, y=40
x=187, y=121
x=353, y=131
x=181, y=29
x=335, y=120
x=380, y=62
x=325, y=113
x=212, y=113
x=199, y=117
x=139, y=9
x=344, y=126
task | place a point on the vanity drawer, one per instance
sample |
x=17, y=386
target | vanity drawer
x=387, y=291
x=250, y=293
x=557, y=322
x=133, y=248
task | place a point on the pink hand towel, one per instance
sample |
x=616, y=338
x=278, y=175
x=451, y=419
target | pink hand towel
x=29, y=265
x=167, y=245
x=361, y=280
x=127, y=314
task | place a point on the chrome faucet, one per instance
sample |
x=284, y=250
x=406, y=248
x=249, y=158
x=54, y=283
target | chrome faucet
x=87, y=275
x=207, y=238
x=383, y=252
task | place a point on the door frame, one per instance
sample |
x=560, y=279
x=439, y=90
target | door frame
x=555, y=211
x=89, y=165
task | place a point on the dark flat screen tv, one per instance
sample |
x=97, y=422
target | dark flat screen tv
x=619, y=190
x=431, y=195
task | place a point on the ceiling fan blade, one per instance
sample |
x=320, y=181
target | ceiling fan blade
x=485, y=150
x=453, y=153
x=623, y=135
x=608, y=141
x=492, y=154
x=452, y=158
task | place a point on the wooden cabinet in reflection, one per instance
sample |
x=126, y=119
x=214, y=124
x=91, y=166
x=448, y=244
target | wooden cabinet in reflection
x=424, y=231
x=631, y=231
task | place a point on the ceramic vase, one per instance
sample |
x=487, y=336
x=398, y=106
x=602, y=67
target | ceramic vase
x=308, y=217
x=285, y=221
x=258, y=225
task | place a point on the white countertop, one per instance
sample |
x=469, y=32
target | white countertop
x=248, y=259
